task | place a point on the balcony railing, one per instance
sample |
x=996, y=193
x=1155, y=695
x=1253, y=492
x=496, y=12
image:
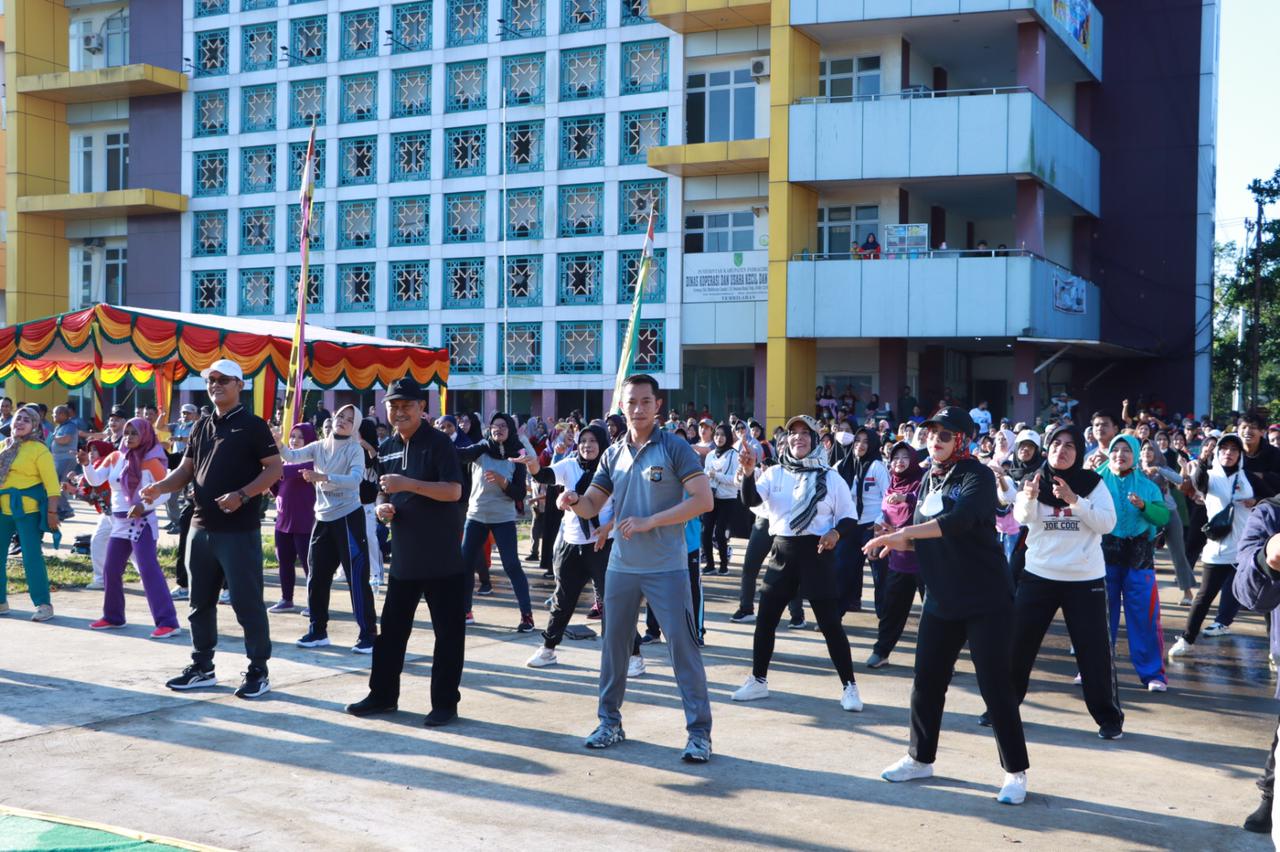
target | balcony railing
x=912, y=93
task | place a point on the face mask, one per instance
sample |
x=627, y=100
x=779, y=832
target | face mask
x=845, y=438
x=932, y=504
x=453, y=436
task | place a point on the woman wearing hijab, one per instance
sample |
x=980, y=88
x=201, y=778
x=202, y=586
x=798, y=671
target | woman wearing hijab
x=1129, y=551
x=1067, y=510
x=475, y=432
x=29, y=494
x=721, y=466
x=768, y=455
x=449, y=426
x=856, y=457
x=969, y=599
x=810, y=509
x=1026, y=461
x=1155, y=466
x=339, y=536
x=99, y=497
x=497, y=482
x=139, y=462
x=295, y=517
x=902, y=583
x=1228, y=500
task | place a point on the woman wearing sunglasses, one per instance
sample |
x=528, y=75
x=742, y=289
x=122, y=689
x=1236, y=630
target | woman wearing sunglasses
x=969, y=600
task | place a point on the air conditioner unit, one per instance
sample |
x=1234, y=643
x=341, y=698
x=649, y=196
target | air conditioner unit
x=760, y=66
x=91, y=43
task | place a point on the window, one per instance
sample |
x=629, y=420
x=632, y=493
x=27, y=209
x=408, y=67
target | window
x=635, y=12
x=258, y=47
x=641, y=131
x=715, y=232
x=358, y=161
x=464, y=282
x=210, y=113
x=411, y=155
x=257, y=230
x=210, y=173
x=524, y=79
x=258, y=169
x=466, y=348
x=409, y=285
x=522, y=348
x=356, y=283
x=211, y=53
x=524, y=147
x=636, y=198
x=524, y=281
x=115, y=274
x=258, y=108
x=205, y=8
x=306, y=102
x=410, y=221
x=582, y=73
x=644, y=66
x=582, y=210
x=582, y=141
x=411, y=335
x=251, y=5
x=578, y=347
x=840, y=229
x=464, y=86
x=467, y=23
x=846, y=79
x=464, y=217
x=209, y=233
x=209, y=291
x=315, y=287
x=298, y=159
x=581, y=279
x=359, y=34
x=524, y=214
x=720, y=106
x=464, y=150
x=359, y=97
x=355, y=224
x=84, y=150
x=655, y=285
x=581, y=15
x=410, y=27
x=117, y=161
x=650, y=344
x=410, y=92
x=524, y=19
x=116, y=33
x=307, y=42
x=257, y=291
x=316, y=233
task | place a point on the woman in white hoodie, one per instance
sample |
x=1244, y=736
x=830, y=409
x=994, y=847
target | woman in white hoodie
x=721, y=466
x=1067, y=510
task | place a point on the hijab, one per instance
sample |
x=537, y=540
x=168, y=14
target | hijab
x=148, y=448
x=1081, y=481
x=1011, y=440
x=509, y=448
x=617, y=426
x=728, y=443
x=906, y=484
x=1019, y=469
x=474, y=432
x=940, y=469
x=812, y=471
x=333, y=438
x=589, y=467
x=12, y=444
x=308, y=432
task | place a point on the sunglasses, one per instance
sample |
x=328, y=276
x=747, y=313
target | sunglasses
x=944, y=437
x=220, y=380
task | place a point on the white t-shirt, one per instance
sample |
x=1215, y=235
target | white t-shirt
x=722, y=470
x=567, y=473
x=779, y=490
x=982, y=419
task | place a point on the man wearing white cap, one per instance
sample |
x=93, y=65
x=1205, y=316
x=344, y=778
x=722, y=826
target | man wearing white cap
x=231, y=460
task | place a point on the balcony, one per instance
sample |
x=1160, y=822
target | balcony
x=103, y=205
x=699, y=16
x=103, y=84
x=940, y=295
x=745, y=156
x=958, y=133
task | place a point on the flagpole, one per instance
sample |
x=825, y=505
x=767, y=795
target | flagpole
x=627, y=347
x=297, y=356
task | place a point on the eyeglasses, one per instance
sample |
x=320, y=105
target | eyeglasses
x=944, y=437
x=221, y=380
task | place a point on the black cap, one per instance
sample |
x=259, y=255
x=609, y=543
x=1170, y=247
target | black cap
x=406, y=388
x=953, y=418
x=119, y=411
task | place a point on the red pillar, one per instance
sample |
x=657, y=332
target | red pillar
x=548, y=408
x=490, y=406
x=939, y=78
x=761, y=364
x=1085, y=93
x=1082, y=245
x=1028, y=223
x=904, y=207
x=1026, y=398
x=433, y=403
x=1031, y=57
x=906, y=63
x=937, y=226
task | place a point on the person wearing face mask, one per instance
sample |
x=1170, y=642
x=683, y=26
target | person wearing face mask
x=1129, y=551
x=1067, y=510
x=856, y=457
x=969, y=599
x=810, y=509
x=29, y=497
x=902, y=583
x=1228, y=499
x=140, y=461
x=721, y=467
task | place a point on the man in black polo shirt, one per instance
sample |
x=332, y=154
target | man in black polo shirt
x=232, y=459
x=421, y=483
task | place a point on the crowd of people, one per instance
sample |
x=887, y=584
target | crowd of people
x=996, y=526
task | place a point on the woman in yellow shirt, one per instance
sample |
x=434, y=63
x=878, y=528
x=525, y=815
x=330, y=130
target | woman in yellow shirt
x=28, y=505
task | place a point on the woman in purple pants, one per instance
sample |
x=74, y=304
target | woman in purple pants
x=295, y=516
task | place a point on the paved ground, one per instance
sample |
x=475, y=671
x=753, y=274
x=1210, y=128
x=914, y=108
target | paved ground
x=88, y=730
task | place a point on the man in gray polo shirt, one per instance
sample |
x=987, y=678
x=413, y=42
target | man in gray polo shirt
x=649, y=473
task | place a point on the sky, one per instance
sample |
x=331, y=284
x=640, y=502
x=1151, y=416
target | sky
x=1248, y=117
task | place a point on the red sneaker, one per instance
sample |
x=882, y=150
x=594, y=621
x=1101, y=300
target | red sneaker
x=103, y=624
x=165, y=632
x=596, y=611
x=471, y=619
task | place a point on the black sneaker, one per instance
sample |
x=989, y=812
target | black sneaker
x=1110, y=732
x=314, y=639
x=526, y=624
x=370, y=706
x=708, y=570
x=439, y=718
x=743, y=616
x=255, y=683
x=193, y=677
x=648, y=639
x=1259, y=822
x=548, y=574
x=723, y=570
x=984, y=720
x=797, y=623
x=484, y=591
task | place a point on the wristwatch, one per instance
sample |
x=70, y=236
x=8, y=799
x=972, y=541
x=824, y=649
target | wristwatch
x=244, y=498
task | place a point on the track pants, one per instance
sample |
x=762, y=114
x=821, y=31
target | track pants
x=154, y=584
x=1214, y=579
x=758, y=547
x=446, y=600
x=1174, y=541
x=715, y=532
x=576, y=565
x=900, y=592
x=850, y=561
x=651, y=625
x=236, y=559
x=27, y=528
x=341, y=541
x=1135, y=590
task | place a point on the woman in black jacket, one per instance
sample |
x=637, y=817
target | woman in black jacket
x=969, y=598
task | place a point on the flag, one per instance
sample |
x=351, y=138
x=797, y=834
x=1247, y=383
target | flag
x=297, y=357
x=627, y=349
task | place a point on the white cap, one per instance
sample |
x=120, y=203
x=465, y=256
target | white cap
x=225, y=366
x=1028, y=435
x=189, y=407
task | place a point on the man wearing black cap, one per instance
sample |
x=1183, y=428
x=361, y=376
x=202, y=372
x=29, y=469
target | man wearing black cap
x=421, y=483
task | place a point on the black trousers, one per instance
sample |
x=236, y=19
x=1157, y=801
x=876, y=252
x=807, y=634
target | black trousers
x=233, y=558
x=1194, y=537
x=758, y=547
x=900, y=592
x=1084, y=609
x=575, y=566
x=1212, y=581
x=184, y=532
x=551, y=520
x=651, y=625
x=447, y=602
x=715, y=531
x=1267, y=783
x=797, y=568
x=851, y=561
x=941, y=639
x=343, y=541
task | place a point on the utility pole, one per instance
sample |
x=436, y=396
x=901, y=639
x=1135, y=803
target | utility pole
x=1255, y=340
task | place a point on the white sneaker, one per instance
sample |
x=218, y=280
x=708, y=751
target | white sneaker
x=44, y=612
x=542, y=657
x=851, y=700
x=225, y=597
x=94, y=586
x=1078, y=680
x=1157, y=686
x=752, y=689
x=1181, y=648
x=1014, y=789
x=635, y=668
x=907, y=769
x=1217, y=629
